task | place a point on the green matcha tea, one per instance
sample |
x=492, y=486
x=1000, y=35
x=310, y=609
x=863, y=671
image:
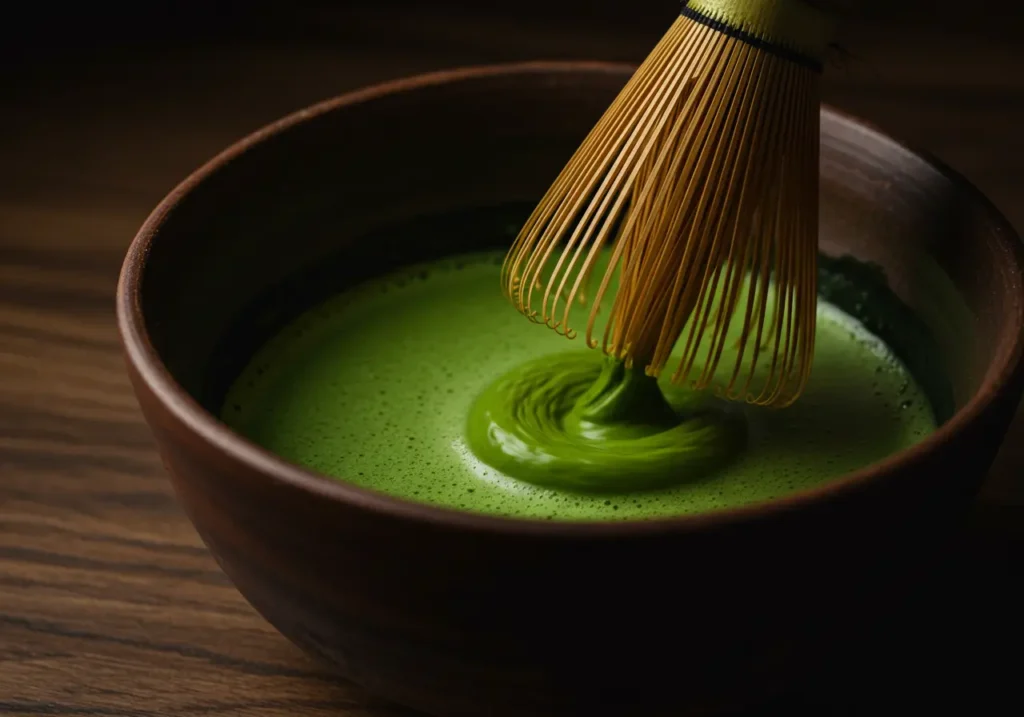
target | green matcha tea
x=376, y=386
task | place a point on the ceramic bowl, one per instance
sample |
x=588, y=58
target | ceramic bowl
x=464, y=615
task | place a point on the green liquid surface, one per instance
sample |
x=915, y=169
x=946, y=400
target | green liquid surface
x=377, y=386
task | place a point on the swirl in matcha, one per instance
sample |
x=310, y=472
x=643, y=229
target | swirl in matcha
x=580, y=421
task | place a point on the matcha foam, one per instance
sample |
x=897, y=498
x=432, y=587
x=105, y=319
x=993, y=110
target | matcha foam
x=375, y=386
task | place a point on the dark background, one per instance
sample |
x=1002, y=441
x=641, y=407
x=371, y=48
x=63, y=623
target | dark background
x=109, y=20
x=109, y=604
x=945, y=75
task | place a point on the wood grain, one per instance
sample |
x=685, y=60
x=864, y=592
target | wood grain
x=109, y=603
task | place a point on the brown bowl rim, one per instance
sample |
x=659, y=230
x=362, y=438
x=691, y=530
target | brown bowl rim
x=216, y=436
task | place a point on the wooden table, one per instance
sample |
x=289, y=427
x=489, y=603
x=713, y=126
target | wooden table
x=109, y=603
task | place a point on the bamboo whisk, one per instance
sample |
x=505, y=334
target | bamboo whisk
x=702, y=176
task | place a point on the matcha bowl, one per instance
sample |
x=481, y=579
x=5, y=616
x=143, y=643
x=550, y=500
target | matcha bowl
x=460, y=614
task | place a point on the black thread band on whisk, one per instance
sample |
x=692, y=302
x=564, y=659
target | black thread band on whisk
x=752, y=40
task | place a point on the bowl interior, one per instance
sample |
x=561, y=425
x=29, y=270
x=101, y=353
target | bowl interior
x=911, y=249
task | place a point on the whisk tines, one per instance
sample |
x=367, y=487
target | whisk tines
x=686, y=223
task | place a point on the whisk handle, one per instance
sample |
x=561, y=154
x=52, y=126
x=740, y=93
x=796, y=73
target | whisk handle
x=800, y=30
